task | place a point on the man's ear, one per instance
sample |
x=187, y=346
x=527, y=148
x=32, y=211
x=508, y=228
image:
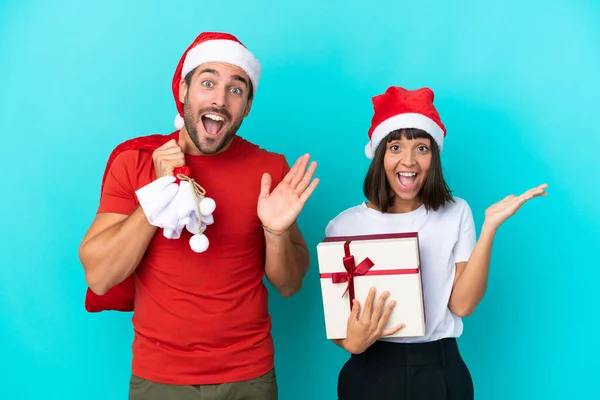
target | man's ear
x=182, y=90
x=248, y=107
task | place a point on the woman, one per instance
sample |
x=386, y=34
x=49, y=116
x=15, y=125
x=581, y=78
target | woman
x=406, y=191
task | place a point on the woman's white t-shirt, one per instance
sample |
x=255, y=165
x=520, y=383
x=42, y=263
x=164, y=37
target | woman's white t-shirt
x=446, y=236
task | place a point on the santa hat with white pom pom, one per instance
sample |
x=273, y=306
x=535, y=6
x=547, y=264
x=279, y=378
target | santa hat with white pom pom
x=213, y=47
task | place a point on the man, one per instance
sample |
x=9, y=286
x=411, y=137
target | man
x=201, y=323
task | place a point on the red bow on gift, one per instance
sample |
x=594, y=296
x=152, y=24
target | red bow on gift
x=352, y=270
x=362, y=269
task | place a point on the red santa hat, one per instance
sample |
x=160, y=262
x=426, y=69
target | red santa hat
x=214, y=47
x=399, y=108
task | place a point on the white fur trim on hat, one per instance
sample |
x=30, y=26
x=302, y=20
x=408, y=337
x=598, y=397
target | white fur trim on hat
x=403, y=121
x=222, y=50
x=179, y=122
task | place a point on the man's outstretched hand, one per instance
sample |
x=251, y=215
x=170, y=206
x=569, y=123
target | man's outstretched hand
x=279, y=209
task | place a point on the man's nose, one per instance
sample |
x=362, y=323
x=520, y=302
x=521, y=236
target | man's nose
x=220, y=98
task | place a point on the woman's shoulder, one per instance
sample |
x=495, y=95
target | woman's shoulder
x=453, y=212
x=346, y=218
x=457, y=205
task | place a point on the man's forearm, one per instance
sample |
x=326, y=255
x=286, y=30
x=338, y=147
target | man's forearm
x=286, y=262
x=112, y=254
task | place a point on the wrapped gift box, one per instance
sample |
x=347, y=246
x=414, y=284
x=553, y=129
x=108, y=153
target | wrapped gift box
x=349, y=266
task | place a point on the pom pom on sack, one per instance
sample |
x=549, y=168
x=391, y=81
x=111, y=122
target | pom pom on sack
x=199, y=243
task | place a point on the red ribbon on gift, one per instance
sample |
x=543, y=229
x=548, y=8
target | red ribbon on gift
x=352, y=270
x=362, y=269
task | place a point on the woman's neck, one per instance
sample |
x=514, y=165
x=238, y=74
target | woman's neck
x=401, y=206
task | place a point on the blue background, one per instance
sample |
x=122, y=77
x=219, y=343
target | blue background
x=517, y=85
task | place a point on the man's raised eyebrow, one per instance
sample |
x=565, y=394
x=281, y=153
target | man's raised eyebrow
x=240, y=78
x=210, y=71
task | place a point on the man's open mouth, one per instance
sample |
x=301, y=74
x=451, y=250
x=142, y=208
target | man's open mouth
x=213, y=123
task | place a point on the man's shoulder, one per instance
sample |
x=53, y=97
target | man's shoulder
x=127, y=153
x=146, y=142
x=258, y=152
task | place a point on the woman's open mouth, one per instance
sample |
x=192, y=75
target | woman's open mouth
x=407, y=180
